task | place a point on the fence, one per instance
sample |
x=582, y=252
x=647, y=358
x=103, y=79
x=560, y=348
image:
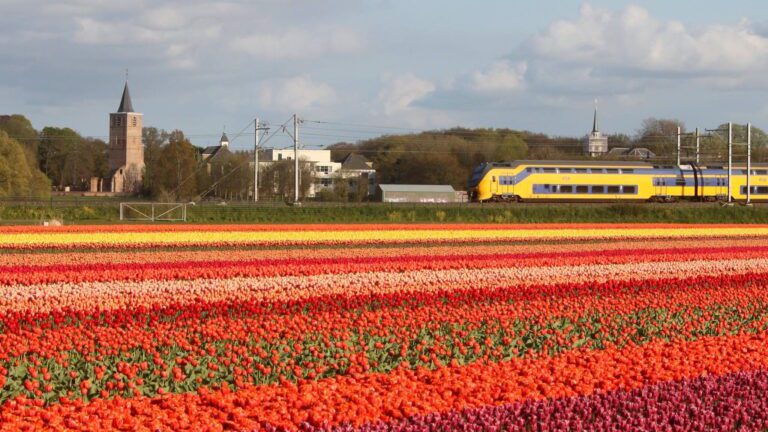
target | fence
x=153, y=212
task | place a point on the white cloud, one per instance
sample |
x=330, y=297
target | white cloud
x=398, y=100
x=501, y=76
x=164, y=18
x=295, y=94
x=402, y=91
x=298, y=44
x=633, y=40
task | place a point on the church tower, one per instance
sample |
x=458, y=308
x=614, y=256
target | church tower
x=126, y=151
x=596, y=143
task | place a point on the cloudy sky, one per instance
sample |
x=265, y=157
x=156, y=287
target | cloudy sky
x=391, y=65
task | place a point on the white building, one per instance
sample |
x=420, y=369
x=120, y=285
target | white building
x=319, y=161
x=326, y=171
x=595, y=144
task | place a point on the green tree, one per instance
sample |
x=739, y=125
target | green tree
x=68, y=159
x=510, y=147
x=20, y=129
x=17, y=177
x=153, y=139
x=660, y=136
x=176, y=169
x=277, y=181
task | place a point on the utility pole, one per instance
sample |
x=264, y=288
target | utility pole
x=698, y=145
x=256, y=161
x=296, y=157
x=678, y=146
x=749, y=159
x=730, y=157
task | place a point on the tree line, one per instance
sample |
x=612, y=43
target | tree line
x=33, y=163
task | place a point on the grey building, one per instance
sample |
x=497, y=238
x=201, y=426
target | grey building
x=632, y=153
x=400, y=193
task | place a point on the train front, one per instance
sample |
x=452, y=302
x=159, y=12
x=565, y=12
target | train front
x=478, y=189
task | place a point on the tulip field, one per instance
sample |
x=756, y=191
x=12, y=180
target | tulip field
x=391, y=327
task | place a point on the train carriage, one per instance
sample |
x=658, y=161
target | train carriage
x=585, y=181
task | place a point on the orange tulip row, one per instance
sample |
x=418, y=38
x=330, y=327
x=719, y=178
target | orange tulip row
x=365, y=398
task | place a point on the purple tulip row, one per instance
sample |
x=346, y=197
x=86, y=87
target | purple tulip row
x=736, y=401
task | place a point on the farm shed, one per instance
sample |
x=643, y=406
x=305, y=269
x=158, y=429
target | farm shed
x=396, y=193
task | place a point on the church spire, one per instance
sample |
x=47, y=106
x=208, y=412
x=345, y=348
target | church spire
x=594, y=120
x=125, y=103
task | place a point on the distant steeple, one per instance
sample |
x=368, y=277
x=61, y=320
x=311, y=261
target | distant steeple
x=594, y=120
x=125, y=103
x=224, y=141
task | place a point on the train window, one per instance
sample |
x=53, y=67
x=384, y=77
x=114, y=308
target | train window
x=598, y=171
x=598, y=189
x=582, y=189
x=546, y=187
x=613, y=189
x=761, y=172
x=580, y=170
x=493, y=179
x=529, y=169
x=630, y=189
x=627, y=171
x=550, y=170
x=612, y=171
x=762, y=190
x=566, y=189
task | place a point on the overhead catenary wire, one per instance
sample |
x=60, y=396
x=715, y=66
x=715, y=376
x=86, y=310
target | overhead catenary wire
x=240, y=165
x=199, y=167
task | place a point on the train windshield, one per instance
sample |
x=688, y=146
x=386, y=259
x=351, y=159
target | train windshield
x=477, y=174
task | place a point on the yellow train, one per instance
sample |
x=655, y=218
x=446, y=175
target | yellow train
x=584, y=181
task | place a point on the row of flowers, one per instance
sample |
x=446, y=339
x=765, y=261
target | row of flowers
x=345, y=227
x=183, y=348
x=472, y=327
x=733, y=401
x=89, y=297
x=227, y=269
x=108, y=239
x=182, y=255
x=360, y=400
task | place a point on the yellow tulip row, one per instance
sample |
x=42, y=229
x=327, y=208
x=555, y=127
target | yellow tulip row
x=181, y=238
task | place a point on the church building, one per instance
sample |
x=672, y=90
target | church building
x=126, y=150
x=596, y=143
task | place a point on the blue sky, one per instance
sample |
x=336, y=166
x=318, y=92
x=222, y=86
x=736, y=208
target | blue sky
x=199, y=66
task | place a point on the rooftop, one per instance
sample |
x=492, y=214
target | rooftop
x=416, y=188
x=355, y=161
x=126, y=106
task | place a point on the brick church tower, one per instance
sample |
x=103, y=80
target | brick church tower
x=126, y=151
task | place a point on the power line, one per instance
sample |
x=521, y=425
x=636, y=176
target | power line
x=237, y=168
